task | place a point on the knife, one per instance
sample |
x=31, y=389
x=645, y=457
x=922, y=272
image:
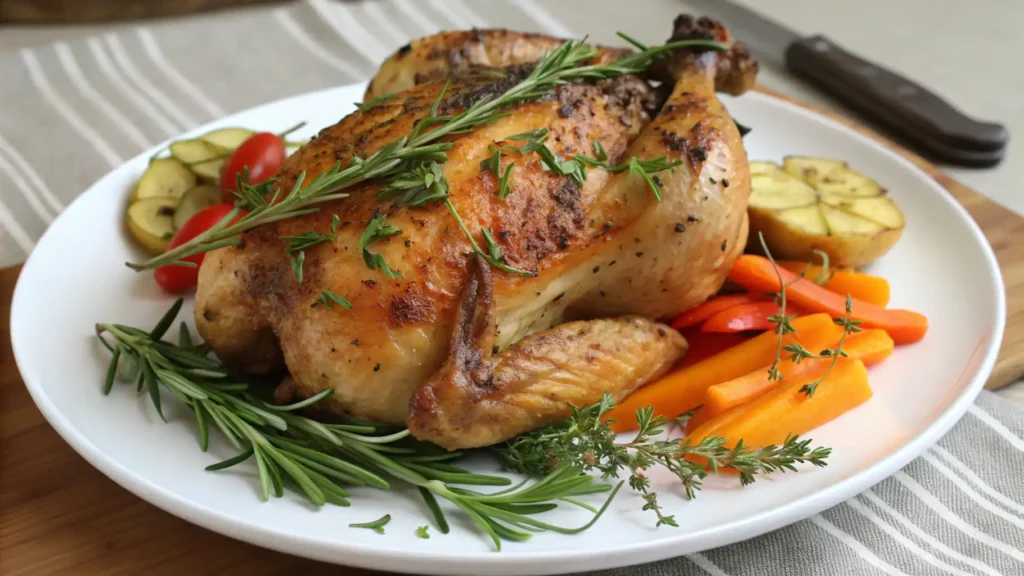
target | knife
x=903, y=108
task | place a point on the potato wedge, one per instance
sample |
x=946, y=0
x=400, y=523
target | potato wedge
x=164, y=178
x=201, y=157
x=811, y=204
x=151, y=222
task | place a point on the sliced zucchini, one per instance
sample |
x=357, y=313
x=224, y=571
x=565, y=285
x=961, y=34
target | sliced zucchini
x=229, y=138
x=193, y=201
x=201, y=157
x=165, y=178
x=151, y=222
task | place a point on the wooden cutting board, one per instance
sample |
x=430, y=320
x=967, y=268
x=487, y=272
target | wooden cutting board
x=59, y=515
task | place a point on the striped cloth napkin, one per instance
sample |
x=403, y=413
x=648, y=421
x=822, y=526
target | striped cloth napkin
x=72, y=111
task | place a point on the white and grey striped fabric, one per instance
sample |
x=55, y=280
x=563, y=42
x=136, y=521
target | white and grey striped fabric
x=72, y=111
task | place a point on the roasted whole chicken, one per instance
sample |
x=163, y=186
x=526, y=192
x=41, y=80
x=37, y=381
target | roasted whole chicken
x=464, y=353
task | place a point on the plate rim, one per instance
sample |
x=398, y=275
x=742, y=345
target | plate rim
x=544, y=562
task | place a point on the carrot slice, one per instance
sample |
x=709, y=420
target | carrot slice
x=869, y=346
x=786, y=411
x=746, y=317
x=756, y=273
x=712, y=306
x=682, y=390
x=706, y=344
x=864, y=287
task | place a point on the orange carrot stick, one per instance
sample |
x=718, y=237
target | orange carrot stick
x=682, y=390
x=786, y=411
x=756, y=273
x=864, y=287
x=712, y=306
x=869, y=346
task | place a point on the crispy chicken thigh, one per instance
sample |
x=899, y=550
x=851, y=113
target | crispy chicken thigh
x=463, y=353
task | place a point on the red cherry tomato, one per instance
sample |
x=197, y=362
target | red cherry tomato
x=262, y=153
x=181, y=278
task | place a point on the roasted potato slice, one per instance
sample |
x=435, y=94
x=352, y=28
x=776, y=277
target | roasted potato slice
x=822, y=204
x=831, y=176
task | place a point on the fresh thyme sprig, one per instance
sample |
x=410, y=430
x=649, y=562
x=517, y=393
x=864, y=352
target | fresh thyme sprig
x=564, y=64
x=783, y=326
x=849, y=326
x=585, y=441
x=783, y=322
x=322, y=461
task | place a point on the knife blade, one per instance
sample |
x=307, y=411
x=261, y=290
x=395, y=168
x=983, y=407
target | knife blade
x=903, y=108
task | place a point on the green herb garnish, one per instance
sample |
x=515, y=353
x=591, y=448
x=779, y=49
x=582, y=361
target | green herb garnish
x=377, y=100
x=377, y=525
x=377, y=229
x=585, y=441
x=322, y=460
x=329, y=299
x=394, y=160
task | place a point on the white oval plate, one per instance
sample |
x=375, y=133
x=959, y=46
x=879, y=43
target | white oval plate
x=76, y=277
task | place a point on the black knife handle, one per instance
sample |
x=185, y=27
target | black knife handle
x=905, y=108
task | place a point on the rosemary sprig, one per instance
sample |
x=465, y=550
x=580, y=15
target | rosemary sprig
x=297, y=245
x=585, y=441
x=377, y=525
x=493, y=164
x=322, y=461
x=493, y=255
x=377, y=229
x=421, y=185
x=376, y=101
x=312, y=238
x=328, y=299
x=564, y=64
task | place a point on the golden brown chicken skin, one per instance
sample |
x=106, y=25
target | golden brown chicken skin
x=465, y=353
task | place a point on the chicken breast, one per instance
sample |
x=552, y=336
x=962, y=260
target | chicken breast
x=464, y=353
